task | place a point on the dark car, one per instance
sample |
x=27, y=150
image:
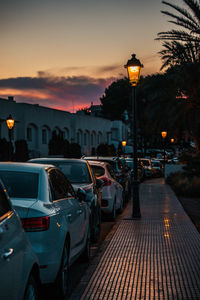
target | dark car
x=122, y=172
x=80, y=174
x=140, y=169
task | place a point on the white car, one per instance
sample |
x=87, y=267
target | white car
x=112, y=191
x=19, y=268
x=55, y=218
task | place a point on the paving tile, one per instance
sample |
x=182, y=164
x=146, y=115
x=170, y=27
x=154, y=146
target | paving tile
x=154, y=258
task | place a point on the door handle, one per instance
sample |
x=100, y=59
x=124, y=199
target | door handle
x=8, y=253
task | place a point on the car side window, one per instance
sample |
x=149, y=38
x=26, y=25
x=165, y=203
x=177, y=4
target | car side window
x=69, y=191
x=4, y=203
x=60, y=187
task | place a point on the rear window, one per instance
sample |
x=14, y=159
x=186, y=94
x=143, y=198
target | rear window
x=20, y=184
x=75, y=172
x=98, y=171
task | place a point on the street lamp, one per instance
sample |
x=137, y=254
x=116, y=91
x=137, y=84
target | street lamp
x=172, y=140
x=124, y=145
x=10, y=123
x=164, y=134
x=133, y=67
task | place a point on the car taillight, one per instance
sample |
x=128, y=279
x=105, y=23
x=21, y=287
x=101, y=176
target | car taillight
x=106, y=181
x=35, y=224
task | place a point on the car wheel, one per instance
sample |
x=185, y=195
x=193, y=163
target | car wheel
x=62, y=282
x=85, y=256
x=31, y=291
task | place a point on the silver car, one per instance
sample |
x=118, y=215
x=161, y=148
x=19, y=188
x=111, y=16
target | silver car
x=55, y=218
x=112, y=191
x=19, y=271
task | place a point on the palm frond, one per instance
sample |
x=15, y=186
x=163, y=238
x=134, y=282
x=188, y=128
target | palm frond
x=182, y=11
x=177, y=35
x=195, y=7
x=180, y=19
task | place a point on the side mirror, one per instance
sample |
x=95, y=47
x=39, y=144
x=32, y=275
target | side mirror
x=81, y=195
x=99, y=183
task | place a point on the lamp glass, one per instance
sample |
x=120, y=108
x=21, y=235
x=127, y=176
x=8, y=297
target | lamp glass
x=164, y=134
x=172, y=140
x=124, y=143
x=10, y=122
x=134, y=74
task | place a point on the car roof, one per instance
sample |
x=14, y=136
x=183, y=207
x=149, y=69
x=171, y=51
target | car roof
x=57, y=159
x=98, y=163
x=28, y=167
x=113, y=158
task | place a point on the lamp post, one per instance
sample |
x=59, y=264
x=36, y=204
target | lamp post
x=124, y=145
x=133, y=67
x=164, y=134
x=10, y=123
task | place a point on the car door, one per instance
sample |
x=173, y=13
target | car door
x=11, y=250
x=70, y=212
x=116, y=184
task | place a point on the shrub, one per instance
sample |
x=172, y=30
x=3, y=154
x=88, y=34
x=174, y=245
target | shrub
x=184, y=184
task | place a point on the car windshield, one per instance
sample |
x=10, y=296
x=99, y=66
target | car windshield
x=20, y=184
x=76, y=172
x=98, y=171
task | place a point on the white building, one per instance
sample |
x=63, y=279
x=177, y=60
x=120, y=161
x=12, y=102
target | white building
x=35, y=124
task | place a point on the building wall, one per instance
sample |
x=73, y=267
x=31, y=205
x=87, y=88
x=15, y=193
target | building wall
x=35, y=124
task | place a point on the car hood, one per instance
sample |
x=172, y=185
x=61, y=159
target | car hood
x=22, y=207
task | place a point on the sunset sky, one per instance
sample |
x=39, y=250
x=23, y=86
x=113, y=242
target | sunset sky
x=64, y=53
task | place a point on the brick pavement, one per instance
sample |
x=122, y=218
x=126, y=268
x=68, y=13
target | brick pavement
x=156, y=257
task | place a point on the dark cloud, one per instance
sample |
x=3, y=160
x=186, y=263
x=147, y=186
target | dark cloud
x=56, y=92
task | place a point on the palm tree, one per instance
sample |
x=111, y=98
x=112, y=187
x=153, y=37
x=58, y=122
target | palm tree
x=177, y=53
x=188, y=19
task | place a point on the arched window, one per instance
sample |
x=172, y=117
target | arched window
x=45, y=135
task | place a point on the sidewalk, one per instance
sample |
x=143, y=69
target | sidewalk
x=156, y=257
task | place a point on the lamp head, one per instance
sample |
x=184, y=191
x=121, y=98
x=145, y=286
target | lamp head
x=164, y=134
x=133, y=67
x=10, y=122
x=124, y=143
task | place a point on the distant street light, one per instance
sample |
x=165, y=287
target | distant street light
x=172, y=140
x=133, y=67
x=10, y=123
x=124, y=145
x=164, y=134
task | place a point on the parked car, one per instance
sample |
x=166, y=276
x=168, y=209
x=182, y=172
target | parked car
x=81, y=175
x=122, y=174
x=147, y=166
x=140, y=168
x=157, y=168
x=112, y=192
x=55, y=219
x=19, y=271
